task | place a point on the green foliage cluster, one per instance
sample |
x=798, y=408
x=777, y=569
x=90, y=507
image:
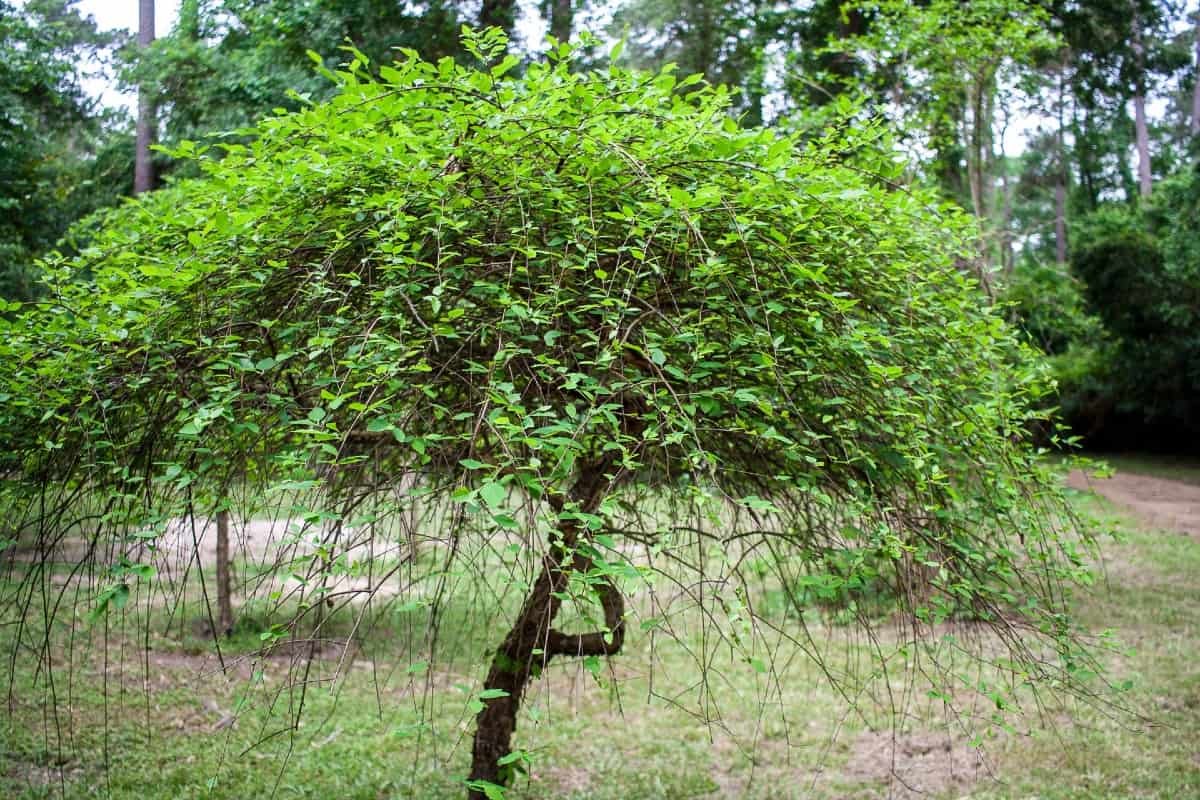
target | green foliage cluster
x=1141, y=273
x=56, y=165
x=228, y=63
x=1121, y=327
x=586, y=307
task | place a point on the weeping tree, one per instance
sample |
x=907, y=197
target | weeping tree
x=584, y=316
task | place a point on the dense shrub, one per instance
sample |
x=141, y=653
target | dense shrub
x=596, y=325
x=1122, y=326
x=1141, y=277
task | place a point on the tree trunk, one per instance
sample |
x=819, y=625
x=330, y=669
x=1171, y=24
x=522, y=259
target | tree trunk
x=562, y=19
x=1007, y=260
x=224, y=583
x=1060, y=178
x=143, y=167
x=979, y=152
x=1142, y=134
x=501, y=14
x=1083, y=137
x=978, y=145
x=532, y=642
x=1060, y=220
x=1196, y=89
x=1007, y=187
x=1141, y=131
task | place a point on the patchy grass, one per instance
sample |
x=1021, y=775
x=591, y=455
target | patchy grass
x=174, y=725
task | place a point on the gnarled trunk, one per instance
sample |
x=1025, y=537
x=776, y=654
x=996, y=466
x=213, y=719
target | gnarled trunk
x=533, y=642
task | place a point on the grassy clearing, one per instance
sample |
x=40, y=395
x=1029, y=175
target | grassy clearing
x=163, y=726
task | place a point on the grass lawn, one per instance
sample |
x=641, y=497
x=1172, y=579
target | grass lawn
x=170, y=724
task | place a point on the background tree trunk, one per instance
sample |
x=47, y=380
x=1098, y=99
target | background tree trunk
x=500, y=14
x=1060, y=177
x=562, y=19
x=1141, y=130
x=143, y=167
x=1196, y=89
x=224, y=581
x=1142, y=134
x=1060, y=220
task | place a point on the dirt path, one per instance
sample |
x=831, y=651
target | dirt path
x=1157, y=502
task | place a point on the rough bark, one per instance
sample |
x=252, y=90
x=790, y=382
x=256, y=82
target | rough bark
x=533, y=642
x=224, y=582
x=143, y=166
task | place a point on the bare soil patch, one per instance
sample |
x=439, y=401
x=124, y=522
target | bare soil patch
x=1156, y=502
x=915, y=765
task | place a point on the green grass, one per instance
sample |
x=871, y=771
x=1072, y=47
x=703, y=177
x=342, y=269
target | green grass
x=383, y=732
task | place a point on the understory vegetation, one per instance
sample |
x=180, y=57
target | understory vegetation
x=184, y=729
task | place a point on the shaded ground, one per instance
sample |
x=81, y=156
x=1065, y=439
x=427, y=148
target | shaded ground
x=1155, y=501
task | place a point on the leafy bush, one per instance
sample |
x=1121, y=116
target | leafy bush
x=594, y=335
x=1048, y=305
x=1141, y=273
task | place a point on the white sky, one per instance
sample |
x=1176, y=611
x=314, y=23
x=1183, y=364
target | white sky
x=124, y=14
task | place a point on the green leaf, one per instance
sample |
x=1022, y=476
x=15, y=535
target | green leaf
x=504, y=66
x=494, y=494
x=491, y=791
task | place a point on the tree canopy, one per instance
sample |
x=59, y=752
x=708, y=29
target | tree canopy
x=584, y=314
